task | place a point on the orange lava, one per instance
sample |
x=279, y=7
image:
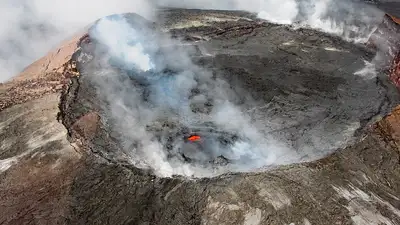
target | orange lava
x=194, y=138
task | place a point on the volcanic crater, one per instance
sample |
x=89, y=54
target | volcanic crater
x=208, y=117
x=153, y=93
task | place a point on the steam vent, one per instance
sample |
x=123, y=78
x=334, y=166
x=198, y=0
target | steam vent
x=208, y=117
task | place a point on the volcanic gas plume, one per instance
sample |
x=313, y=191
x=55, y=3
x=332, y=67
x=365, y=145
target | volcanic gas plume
x=43, y=23
x=159, y=105
x=175, y=116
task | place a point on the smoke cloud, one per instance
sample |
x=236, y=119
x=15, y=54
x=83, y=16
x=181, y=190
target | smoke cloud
x=166, y=77
x=147, y=80
x=32, y=28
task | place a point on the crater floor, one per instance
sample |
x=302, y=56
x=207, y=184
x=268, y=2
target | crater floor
x=288, y=96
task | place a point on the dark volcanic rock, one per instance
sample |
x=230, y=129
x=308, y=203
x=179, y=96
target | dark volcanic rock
x=299, y=86
x=301, y=81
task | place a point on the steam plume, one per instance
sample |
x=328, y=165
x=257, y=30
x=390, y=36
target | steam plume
x=32, y=28
x=170, y=99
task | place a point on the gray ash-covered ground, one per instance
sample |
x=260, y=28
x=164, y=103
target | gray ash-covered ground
x=263, y=94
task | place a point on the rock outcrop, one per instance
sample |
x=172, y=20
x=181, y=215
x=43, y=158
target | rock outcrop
x=45, y=76
x=60, y=162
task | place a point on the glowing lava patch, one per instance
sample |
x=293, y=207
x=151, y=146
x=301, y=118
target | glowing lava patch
x=194, y=138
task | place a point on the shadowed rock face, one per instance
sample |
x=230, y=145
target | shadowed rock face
x=302, y=81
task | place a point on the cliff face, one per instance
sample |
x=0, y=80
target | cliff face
x=45, y=76
x=61, y=160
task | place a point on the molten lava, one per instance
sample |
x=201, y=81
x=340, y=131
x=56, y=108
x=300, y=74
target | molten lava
x=194, y=138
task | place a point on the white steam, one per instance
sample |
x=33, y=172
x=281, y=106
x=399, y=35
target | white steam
x=165, y=67
x=119, y=48
x=32, y=28
x=348, y=19
x=170, y=99
x=368, y=72
x=351, y=21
